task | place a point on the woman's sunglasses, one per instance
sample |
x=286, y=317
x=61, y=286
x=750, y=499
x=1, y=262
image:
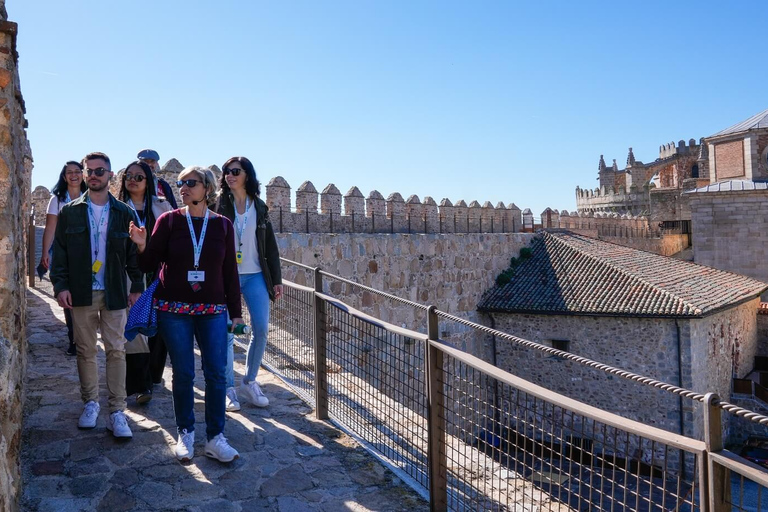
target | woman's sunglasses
x=190, y=183
x=234, y=172
x=138, y=178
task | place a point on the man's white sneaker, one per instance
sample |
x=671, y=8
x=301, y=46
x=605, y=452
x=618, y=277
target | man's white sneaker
x=231, y=400
x=218, y=448
x=253, y=393
x=89, y=416
x=118, y=425
x=185, y=446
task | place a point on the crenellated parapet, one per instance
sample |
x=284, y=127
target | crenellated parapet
x=40, y=198
x=353, y=212
x=331, y=212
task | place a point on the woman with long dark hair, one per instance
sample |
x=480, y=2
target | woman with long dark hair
x=258, y=263
x=69, y=186
x=137, y=191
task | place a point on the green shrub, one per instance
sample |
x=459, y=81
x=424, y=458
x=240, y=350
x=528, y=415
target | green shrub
x=525, y=253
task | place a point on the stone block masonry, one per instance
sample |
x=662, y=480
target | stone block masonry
x=450, y=271
x=15, y=172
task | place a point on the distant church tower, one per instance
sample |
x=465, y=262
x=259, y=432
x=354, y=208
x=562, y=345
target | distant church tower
x=606, y=175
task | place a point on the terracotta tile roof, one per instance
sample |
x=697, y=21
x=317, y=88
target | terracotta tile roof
x=574, y=274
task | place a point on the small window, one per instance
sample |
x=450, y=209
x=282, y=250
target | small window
x=560, y=345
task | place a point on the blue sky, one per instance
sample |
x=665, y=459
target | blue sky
x=493, y=101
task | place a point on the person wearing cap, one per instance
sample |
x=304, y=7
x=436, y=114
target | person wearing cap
x=152, y=159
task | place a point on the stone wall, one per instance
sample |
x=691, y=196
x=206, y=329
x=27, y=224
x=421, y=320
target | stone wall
x=723, y=347
x=448, y=271
x=762, y=333
x=710, y=351
x=667, y=244
x=375, y=214
x=40, y=198
x=730, y=231
x=644, y=346
x=15, y=173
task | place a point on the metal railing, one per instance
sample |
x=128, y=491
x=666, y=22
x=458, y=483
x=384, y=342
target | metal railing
x=470, y=436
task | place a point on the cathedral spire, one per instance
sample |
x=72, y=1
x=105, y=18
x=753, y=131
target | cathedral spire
x=630, y=158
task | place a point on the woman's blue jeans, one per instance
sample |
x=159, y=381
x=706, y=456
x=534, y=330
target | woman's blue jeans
x=254, y=290
x=179, y=332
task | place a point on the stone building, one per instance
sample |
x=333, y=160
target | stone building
x=651, y=189
x=675, y=321
x=730, y=214
x=15, y=191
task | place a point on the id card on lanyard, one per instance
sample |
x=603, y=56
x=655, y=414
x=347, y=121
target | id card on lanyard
x=95, y=235
x=239, y=228
x=196, y=277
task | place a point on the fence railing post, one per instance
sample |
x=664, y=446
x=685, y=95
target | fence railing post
x=717, y=482
x=31, y=250
x=320, y=346
x=438, y=469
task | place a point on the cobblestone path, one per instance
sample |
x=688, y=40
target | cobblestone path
x=289, y=461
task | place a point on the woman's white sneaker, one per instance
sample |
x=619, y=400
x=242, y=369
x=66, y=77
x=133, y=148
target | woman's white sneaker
x=253, y=393
x=185, y=446
x=218, y=448
x=231, y=400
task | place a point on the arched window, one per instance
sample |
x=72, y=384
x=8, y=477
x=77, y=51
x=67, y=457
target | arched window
x=695, y=171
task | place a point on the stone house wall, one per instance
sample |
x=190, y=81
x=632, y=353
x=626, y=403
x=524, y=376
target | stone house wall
x=710, y=351
x=15, y=173
x=644, y=346
x=730, y=231
x=722, y=347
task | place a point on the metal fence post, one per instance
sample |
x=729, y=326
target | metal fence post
x=31, y=250
x=438, y=480
x=320, y=346
x=717, y=484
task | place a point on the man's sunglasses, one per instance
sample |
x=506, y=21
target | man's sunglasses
x=138, y=178
x=234, y=172
x=190, y=183
x=99, y=171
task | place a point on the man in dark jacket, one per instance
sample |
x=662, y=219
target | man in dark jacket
x=93, y=259
x=152, y=159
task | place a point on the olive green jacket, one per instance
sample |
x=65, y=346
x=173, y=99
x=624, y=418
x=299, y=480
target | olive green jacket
x=72, y=260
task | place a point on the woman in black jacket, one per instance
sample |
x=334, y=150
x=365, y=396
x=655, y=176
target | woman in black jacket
x=258, y=263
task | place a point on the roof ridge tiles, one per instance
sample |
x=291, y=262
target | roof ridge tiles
x=623, y=271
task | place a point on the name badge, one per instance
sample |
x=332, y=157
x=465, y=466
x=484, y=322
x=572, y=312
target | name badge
x=196, y=276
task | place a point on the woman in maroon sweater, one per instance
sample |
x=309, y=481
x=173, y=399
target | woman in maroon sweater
x=198, y=285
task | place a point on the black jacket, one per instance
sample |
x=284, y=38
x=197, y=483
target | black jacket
x=71, y=266
x=269, y=256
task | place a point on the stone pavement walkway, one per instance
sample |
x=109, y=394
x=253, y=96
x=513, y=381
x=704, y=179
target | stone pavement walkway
x=289, y=460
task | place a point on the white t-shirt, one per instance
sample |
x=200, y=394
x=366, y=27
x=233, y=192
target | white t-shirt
x=250, y=264
x=55, y=206
x=101, y=227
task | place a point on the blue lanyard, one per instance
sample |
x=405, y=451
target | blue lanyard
x=197, y=244
x=133, y=207
x=240, y=227
x=96, y=226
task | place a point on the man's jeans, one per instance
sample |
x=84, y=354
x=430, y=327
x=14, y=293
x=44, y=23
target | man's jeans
x=86, y=320
x=254, y=291
x=179, y=332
